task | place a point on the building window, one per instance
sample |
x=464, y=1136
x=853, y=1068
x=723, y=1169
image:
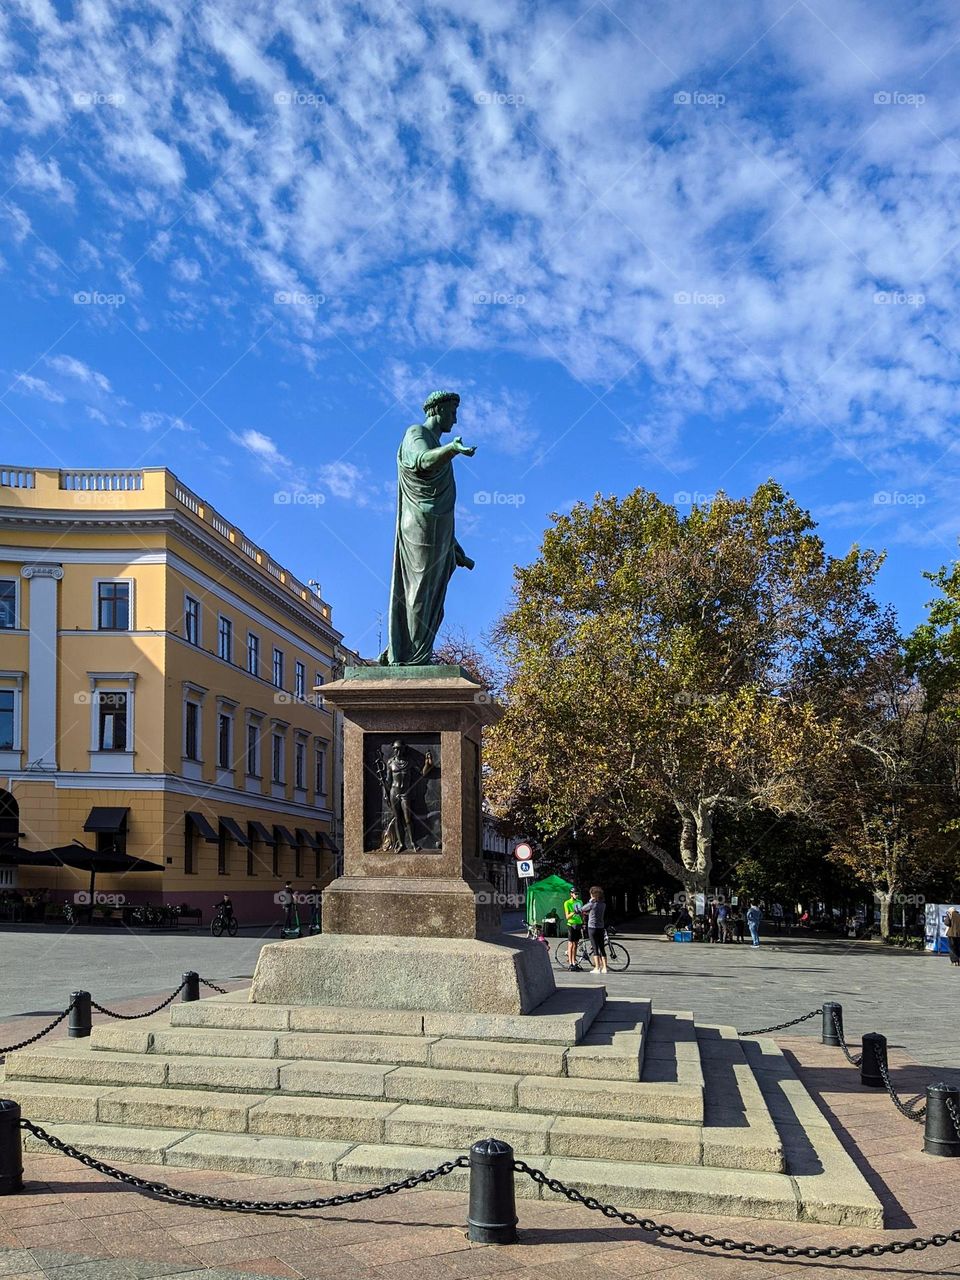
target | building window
x=253, y=750
x=191, y=737
x=277, y=757
x=318, y=698
x=191, y=620
x=8, y=603
x=225, y=639
x=320, y=771
x=113, y=606
x=111, y=721
x=299, y=766
x=224, y=744
x=7, y=708
x=299, y=680
x=253, y=654
x=278, y=668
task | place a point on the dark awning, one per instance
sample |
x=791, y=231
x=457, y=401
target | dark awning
x=259, y=832
x=235, y=831
x=283, y=836
x=110, y=821
x=327, y=841
x=202, y=827
x=307, y=839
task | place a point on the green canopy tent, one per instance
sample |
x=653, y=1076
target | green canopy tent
x=546, y=898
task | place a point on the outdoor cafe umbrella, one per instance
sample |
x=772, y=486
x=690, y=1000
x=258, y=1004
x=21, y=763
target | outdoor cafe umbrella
x=80, y=858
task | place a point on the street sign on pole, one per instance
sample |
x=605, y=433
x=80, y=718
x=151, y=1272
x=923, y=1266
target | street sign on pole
x=525, y=869
x=523, y=853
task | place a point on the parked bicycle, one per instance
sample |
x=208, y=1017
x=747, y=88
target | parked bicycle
x=618, y=957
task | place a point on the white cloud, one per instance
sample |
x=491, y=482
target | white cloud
x=262, y=447
x=73, y=368
x=42, y=176
x=29, y=385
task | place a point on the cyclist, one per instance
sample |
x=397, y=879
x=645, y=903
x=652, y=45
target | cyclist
x=571, y=910
x=225, y=907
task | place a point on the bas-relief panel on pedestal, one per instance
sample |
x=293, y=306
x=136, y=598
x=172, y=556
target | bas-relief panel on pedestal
x=401, y=793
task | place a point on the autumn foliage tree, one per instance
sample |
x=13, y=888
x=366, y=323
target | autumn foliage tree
x=666, y=663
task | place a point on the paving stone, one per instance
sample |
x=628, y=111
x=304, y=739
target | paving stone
x=452, y=1088
x=342, y=1119
x=498, y=1056
x=460, y=1127
x=347, y=1047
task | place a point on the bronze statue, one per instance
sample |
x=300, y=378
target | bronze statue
x=426, y=552
x=397, y=779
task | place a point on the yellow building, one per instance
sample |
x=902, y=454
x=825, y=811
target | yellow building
x=157, y=677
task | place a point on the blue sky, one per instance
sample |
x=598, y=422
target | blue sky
x=685, y=246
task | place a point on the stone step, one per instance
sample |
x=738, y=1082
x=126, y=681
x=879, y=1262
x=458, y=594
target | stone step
x=562, y=1019
x=72, y=1063
x=372, y=1120
x=640, y=1187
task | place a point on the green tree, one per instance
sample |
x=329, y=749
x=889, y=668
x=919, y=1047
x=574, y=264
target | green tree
x=660, y=663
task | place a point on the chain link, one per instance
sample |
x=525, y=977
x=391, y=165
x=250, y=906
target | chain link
x=12, y=1048
x=132, y=1017
x=814, y=1013
x=901, y=1106
x=213, y=986
x=724, y=1242
x=853, y=1059
x=201, y=1201
x=954, y=1114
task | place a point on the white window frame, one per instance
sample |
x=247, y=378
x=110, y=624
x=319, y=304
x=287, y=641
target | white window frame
x=253, y=720
x=299, y=679
x=278, y=655
x=195, y=694
x=17, y=604
x=320, y=748
x=221, y=618
x=12, y=682
x=318, y=697
x=278, y=775
x=252, y=635
x=198, y=643
x=111, y=761
x=300, y=743
x=131, y=610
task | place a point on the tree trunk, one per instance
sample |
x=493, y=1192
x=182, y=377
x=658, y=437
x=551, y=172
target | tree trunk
x=885, y=897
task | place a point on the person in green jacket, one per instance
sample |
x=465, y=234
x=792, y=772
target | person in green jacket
x=571, y=911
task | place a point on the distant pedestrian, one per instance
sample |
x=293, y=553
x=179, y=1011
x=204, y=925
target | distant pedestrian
x=723, y=922
x=776, y=911
x=754, y=916
x=952, y=921
x=286, y=900
x=594, y=910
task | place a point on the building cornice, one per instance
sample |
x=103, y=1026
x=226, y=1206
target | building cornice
x=160, y=521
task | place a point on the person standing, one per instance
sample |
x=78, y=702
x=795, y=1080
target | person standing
x=594, y=911
x=952, y=922
x=754, y=916
x=776, y=911
x=723, y=922
x=572, y=909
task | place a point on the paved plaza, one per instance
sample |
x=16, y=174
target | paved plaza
x=75, y=1224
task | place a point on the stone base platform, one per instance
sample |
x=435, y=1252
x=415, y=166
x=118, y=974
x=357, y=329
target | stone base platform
x=643, y=1109
x=454, y=975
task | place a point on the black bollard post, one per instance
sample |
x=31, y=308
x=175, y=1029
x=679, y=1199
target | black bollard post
x=11, y=1158
x=874, y=1052
x=492, y=1215
x=832, y=1024
x=191, y=990
x=940, y=1137
x=81, y=1018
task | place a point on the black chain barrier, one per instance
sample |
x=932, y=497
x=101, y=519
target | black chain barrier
x=213, y=986
x=953, y=1113
x=918, y=1113
x=853, y=1058
x=12, y=1048
x=804, y=1017
x=200, y=1201
x=132, y=1017
x=724, y=1242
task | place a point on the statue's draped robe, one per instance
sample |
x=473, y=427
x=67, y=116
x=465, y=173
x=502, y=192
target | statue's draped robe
x=424, y=555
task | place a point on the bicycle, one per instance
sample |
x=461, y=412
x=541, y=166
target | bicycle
x=221, y=923
x=618, y=957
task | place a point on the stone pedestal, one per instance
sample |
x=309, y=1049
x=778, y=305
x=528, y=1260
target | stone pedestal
x=415, y=926
x=437, y=890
